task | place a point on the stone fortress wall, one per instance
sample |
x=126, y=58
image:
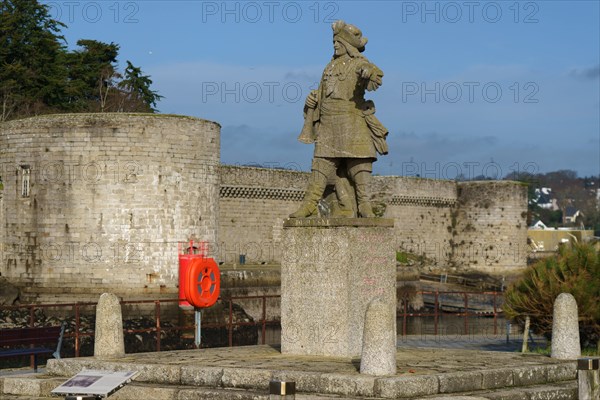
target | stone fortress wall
x=479, y=226
x=490, y=229
x=96, y=202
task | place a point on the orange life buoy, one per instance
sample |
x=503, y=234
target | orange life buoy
x=203, y=284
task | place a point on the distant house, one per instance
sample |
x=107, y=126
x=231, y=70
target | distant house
x=538, y=225
x=544, y=199
x=570, y=215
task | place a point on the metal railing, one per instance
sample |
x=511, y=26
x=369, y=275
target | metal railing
x=158, y=328
x=263, y=321
x=464, y=281
x=439, y=312
x=77, y=333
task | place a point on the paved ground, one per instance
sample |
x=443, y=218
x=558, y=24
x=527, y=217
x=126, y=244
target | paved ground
x=410, y=360
x=470, y=342
x=420, y=371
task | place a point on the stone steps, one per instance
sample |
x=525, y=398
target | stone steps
x=245, y=372
x=558, y=391
x=544, y=382
x=39, y=388
x=555, y=391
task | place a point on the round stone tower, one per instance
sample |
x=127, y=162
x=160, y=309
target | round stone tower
x=489, y=227
x=98, y=202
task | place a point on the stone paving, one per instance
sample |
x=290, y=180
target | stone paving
x=413, y=361
x=420, y=372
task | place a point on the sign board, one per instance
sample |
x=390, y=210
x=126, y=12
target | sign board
x=95, y=383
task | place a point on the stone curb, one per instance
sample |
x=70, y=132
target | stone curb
x=405, y=386
x=323, y=382
x=549, y=392
x=28, y=386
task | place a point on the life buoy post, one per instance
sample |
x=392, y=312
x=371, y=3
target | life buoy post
x=202, y=288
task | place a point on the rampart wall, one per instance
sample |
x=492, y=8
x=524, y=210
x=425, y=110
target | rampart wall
x=445, y=221
x=489, y=232
x=253, y=203
x=98, y=201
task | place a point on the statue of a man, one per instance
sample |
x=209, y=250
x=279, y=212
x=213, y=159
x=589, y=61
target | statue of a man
x=342, y=124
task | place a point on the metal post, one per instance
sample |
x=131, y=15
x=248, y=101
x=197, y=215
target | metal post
x=435, y=318
x=198, y=324
x=405, y=314
x=32, y=358
x=230, y=323
x=264, y=318
x=157, y=317
x=77, y=344
x=495, y=316
x=524, y=347
x=466, y=313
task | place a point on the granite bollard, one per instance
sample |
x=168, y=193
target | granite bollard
x=108, y=340
x=565, y=328
x=379, y=339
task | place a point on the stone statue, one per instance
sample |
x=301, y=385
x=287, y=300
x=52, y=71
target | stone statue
x=343, y=126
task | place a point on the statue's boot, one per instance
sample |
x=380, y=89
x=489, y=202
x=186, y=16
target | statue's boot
x=343, y=191
x=361, y=181
x=313, y=194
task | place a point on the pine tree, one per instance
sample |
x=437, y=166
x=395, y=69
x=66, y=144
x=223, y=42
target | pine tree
x=574, y=270
x=92, y=75
x=32, y=73
x=38, y=75
x=137, y=95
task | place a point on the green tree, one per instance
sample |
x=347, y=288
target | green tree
x=593, y=221
x=32, y=73
x=39, y=76
x=92, y=75
x=136, y=93
x=574, y=270
x=551, y=218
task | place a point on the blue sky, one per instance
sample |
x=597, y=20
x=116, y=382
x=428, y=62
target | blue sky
x=471, y=87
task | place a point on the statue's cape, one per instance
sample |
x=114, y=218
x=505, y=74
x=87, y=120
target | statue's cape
x=378, y=131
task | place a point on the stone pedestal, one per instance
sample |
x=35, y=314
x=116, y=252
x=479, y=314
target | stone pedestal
x=332, y=268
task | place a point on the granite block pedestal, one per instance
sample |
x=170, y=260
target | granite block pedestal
x=331, y=269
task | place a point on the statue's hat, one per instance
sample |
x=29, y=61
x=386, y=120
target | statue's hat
x=349, y=34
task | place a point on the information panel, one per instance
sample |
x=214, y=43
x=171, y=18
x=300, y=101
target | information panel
x=95, y=383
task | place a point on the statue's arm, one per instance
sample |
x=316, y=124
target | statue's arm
x=372, y=74
x=311, y=100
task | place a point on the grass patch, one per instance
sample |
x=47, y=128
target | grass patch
x=402, y=257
